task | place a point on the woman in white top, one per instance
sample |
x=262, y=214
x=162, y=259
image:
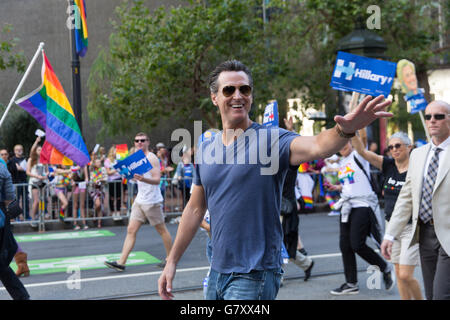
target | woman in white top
x=38, y=175
x=359, y=219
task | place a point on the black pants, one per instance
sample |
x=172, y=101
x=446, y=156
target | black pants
x=435, y=264
x=352, y=241
x=22, y=194
x=13, y=285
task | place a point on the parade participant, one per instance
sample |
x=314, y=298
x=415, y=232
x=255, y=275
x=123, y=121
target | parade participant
x=360, y=217
x=404, y=258
x=290, y=219
x=244, y=199
x=290, y=223
x=147, y=206
x=8, y=245
x=97, y=191
x=20, y=257
x=424, y=198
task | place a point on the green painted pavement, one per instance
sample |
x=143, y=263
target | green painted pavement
x=85, y=262
x=64, y=235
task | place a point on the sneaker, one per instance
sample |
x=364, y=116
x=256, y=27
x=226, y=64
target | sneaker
x=345, y=289
x=389, y=279
x=85, y=227
x=308, y=271
x=114, y=265
x=334, y=213
x=303, y=251
x=77, y=227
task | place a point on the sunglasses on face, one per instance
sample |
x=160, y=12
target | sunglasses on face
x=228, y=91
x=396, y=146
x=438, y=116
x=140, y=140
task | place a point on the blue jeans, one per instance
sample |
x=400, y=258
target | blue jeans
x=256, y=285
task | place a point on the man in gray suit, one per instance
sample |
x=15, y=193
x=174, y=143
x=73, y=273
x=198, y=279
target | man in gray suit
x=425, y=197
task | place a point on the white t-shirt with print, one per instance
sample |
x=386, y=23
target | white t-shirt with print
x=353, y=180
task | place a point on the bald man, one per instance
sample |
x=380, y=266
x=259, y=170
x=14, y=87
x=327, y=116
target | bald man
x=425, y=197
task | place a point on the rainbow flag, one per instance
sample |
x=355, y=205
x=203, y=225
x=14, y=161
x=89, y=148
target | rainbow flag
x=51, y=155
x=308, y=202
x=121, y=151
x=81, y=32
x=303, y=167
x=49, y=105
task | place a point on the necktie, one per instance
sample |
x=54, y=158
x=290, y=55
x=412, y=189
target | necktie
x=425, y=211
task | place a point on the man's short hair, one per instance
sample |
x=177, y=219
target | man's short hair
x=230, y=65
x=140, y=134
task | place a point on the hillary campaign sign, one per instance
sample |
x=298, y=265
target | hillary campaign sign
x=137, y=163
x=364, y=75
x=271, y=115
x=417, y=102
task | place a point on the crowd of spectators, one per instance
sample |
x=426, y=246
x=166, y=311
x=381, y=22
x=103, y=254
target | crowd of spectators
x=94, y=191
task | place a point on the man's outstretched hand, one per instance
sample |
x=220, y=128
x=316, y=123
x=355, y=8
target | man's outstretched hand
x=364, y=114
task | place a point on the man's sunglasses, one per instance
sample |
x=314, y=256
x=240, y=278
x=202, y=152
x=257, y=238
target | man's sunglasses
x=140, y=140
x=228, y=91
x=438, y=116
x=396, y=146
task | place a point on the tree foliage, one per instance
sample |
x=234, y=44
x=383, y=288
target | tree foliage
x=9, y=59
x=18, y=126
x=157, y=63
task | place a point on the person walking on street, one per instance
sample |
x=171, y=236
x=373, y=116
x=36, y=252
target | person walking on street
x=244, y=198
x=290, y=220
x=360, y=218
x=147, y=206
x=394, y=170
x=8, y=245
x=424, y=198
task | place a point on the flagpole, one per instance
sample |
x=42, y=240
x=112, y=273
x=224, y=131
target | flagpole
x=25, y=76
x=76, y=80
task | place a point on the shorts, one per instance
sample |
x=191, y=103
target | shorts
x=401, y=253
x=152, y=212
x=60, y=190
x=79, y=187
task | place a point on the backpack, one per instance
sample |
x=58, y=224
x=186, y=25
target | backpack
x=374, y=182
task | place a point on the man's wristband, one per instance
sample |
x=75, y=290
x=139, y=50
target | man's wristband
x=342, y=134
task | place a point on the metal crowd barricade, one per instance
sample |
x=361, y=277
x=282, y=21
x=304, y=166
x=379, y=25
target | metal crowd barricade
x=118, y=199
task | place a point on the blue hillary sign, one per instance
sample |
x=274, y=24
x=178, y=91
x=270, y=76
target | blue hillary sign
x=271, y=115
x=137, y=163
x=364, y=75
x=417, y=102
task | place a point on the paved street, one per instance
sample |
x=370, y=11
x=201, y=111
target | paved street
x=68, y=265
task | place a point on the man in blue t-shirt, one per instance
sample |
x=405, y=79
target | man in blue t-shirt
x=239, y=177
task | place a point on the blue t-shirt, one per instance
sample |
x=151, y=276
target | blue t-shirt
x=243, y=183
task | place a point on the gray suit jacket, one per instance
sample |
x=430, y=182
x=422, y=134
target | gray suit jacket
x=408, y=202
